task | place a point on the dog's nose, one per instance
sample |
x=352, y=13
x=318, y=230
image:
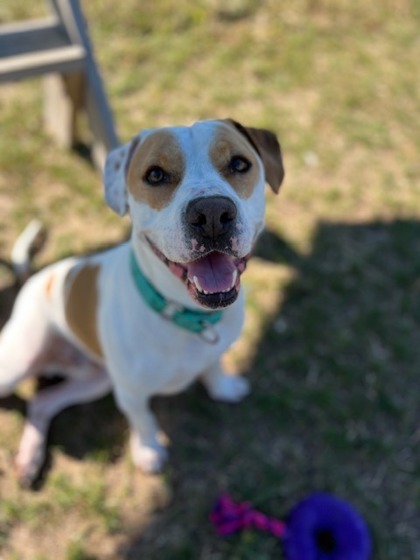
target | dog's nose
x=211, y=216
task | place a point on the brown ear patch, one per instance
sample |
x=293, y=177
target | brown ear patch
x=81, y=306
x=268, y=148
x=160, y=149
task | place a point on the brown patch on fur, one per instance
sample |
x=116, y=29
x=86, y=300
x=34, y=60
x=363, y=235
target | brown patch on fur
x=268, y=148
x=49, y=285
x=81, y=306
x=160, y=149
x=228, y=143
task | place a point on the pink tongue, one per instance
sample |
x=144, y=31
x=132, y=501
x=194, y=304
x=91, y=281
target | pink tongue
x=214, y=272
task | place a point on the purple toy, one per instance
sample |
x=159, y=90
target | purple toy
x=321, y=527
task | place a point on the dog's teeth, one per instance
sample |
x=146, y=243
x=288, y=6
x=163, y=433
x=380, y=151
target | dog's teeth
x=234, y=277
x=197, y=284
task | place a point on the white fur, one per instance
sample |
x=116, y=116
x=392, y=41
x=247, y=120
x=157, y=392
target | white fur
x=144, y=354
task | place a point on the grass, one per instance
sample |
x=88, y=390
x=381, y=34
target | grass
x=331, y=340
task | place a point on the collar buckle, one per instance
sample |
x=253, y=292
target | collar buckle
x=170, y=310
x=209, y=333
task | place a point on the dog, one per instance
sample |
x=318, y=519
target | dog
x=156, y=313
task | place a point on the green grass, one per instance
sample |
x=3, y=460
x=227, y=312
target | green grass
x=331, y=343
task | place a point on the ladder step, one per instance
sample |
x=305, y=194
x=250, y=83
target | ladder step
x=31, y=36
x=63, y=59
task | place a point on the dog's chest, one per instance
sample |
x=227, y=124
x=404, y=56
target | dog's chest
x=149, y=352
x=179, y=366
x=161, y=358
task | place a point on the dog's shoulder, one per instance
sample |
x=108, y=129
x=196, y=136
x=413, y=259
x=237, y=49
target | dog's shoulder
x=82, y=298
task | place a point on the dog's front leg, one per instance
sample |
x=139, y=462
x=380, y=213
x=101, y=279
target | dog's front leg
x=147, y=452
x=224, y=387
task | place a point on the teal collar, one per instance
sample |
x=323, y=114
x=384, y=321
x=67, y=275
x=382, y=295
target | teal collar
x=199, y=322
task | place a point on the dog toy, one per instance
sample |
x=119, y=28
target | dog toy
x=320, y=527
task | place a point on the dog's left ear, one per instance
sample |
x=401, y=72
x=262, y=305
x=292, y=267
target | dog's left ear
x=114, y=179
x=268, y=148
x=115, y=172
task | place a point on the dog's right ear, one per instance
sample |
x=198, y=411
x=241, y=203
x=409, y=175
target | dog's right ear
x=115, y=172
x=268, y=148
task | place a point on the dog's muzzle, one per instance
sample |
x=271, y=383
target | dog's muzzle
x=212, y=275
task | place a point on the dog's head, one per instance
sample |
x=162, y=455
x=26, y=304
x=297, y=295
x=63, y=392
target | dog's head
x=196, y=196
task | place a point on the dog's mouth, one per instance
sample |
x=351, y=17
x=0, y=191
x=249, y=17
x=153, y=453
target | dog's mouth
x=212, y=280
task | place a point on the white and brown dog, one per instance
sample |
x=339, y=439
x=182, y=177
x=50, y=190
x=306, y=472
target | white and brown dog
x=150, y=316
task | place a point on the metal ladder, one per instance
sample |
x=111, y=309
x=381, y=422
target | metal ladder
x=59, y=47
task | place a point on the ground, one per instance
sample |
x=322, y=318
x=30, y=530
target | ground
x=331, y=343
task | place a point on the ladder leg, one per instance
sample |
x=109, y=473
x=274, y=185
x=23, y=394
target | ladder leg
x=63, y=101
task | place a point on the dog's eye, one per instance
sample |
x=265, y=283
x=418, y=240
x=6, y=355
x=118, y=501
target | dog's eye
x=239, y=164
x=155, y=176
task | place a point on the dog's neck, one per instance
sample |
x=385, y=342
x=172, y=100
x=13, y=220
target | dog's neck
x=159, y=275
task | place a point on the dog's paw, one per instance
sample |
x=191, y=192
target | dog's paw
x=228, y=388
x=31, y=455
x=150, y=459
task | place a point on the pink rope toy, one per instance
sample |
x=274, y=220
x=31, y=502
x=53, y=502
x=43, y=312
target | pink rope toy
x=319, y=527
x=229, y=517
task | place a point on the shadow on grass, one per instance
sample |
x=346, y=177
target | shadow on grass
x=334, y=405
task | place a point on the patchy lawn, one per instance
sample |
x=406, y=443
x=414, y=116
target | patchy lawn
x=332, y=339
